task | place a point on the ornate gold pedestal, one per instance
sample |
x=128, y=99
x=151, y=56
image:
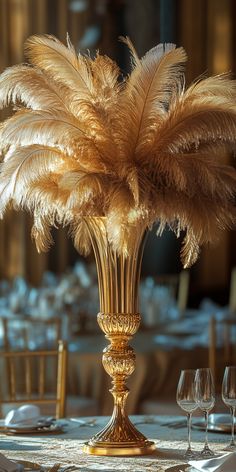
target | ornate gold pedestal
x=118, y=280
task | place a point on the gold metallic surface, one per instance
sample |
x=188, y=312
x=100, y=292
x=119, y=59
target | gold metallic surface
x=111, y=450
x=118, y=280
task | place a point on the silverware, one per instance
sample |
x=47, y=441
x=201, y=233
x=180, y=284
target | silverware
x=147, y=420
x=175, y=424
x=48, y=421
x=91, y=423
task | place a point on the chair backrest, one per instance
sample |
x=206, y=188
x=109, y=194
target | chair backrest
x=28, y=375
x=222, y=344
x=30, y=332
x=183, y=290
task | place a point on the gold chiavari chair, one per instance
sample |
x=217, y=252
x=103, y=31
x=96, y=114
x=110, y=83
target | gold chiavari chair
x=28, y=373
x=79, y=401
x=222, y=345
x=183, y=290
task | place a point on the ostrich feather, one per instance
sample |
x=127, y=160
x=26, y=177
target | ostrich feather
x=134, y=151
x=195, y=123
x=190, y=249
x=198, y=216
x=39, y=127
x=81, y=78
x=92, y=142
x=135, y=61
x=105, y=73
x=23, y=84
x=94, y=80
x=24, y=166
x=132, y=177
x=99, y=130
x=80, y=235
x=82, y=186
x=190, y=173
x=60, y=63
x=41, y=197
x=217, y=86
x=148, y=89
x=40, y=232
x=123, y=219
x=54, y=129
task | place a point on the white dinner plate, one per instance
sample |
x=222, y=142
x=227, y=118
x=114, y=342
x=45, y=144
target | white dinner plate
x=52, y=428
x=55, y=429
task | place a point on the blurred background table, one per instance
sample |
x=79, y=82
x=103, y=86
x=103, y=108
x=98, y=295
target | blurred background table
x=171, y=336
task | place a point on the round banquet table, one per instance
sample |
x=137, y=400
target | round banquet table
x=66, y=449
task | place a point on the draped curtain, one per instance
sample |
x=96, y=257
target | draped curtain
x=207, y=32
x=206, y=29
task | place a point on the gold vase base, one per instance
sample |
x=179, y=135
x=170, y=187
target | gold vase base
x=119, y=449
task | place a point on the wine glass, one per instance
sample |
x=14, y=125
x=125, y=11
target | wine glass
x=229, y=398
x=185, y=397
x=205, y=399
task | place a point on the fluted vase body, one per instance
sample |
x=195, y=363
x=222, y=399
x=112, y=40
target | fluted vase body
x=118, y=281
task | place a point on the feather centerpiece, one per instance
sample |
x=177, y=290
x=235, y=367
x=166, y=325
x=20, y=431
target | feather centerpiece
x=145, y=149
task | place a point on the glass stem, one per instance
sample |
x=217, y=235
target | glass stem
x=232, y=410
x=189, y=420
x=206, y=426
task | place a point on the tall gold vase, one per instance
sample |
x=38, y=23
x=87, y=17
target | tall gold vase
x=118, y=281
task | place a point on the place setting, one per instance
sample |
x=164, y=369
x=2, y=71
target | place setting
x=196, y=390
x=27, y=420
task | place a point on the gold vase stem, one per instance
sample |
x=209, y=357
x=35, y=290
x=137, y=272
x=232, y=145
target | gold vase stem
x=118, y=281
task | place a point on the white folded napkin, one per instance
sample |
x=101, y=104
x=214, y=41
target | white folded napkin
x=26, y=415
x=225, y=463
x=9, y=466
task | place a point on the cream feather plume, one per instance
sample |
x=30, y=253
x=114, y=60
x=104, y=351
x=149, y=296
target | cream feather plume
x=20, y=84
x=139, y=150
x=60, y=63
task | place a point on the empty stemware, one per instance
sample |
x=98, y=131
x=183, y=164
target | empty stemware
x=205, y=398
x=185, y=397
x=229, y=398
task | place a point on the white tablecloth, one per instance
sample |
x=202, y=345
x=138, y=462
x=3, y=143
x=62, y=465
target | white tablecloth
x=67, y=448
